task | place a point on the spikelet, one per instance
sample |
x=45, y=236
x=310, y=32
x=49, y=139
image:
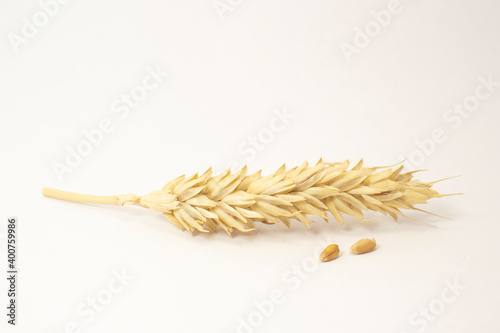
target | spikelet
x=237, y=200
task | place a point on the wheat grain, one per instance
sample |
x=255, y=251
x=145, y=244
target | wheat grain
x=237, y=200
x=363, y=246
x=329, y=253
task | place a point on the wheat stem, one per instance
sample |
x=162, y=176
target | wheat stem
x=71, y=196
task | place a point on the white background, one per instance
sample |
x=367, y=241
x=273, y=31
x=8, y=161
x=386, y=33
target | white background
x=226, y=78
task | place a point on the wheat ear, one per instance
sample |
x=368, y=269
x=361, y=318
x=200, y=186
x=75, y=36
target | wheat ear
x=237, y=200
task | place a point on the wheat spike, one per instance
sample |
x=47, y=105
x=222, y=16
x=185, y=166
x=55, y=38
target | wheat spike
x=237, y=200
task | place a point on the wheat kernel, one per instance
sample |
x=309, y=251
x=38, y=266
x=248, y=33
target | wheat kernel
x=363, y=246
x=329, y=253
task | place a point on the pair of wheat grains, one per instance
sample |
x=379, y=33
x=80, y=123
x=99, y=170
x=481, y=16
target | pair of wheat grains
x=332, y=251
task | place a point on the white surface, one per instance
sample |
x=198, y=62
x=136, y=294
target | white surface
x=225, y=79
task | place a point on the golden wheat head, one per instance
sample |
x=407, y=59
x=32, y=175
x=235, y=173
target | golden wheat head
x=237, y=200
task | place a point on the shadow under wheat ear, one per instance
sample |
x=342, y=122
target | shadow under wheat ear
x=238, y=200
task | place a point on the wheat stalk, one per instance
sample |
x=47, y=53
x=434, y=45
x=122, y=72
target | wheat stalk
x=237, y=200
